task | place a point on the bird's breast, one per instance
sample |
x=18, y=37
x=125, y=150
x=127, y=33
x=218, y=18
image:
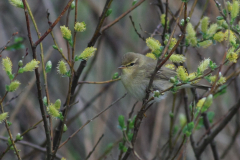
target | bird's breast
x=134, y=87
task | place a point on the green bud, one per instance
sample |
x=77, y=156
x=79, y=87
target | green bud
x=182, y=22
x=9, y=123
x=55, y=47
x=134, y=2
x=57, y=104
x=9, y=141
x=220, y=18
x=171, y=114
x=130, y=135
x=109, y=11
x=48, y=66
x=19, y=137
x=208, y=103
x=182, y=119
x=115, y=75
x=45, y=101
x=73, y=5
x=156, y=93
x=172, y=80
x=225, y=25
x=65, y=128
x=121, y=122
x=20, y=63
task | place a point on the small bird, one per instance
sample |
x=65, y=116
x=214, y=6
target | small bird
x=137, y=70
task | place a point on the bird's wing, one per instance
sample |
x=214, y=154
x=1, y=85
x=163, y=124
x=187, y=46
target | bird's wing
x=163, y=74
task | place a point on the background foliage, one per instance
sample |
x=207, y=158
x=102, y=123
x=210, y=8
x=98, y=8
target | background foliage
x=153, y=137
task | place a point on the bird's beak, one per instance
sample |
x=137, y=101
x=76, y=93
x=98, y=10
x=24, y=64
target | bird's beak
x=121, y=67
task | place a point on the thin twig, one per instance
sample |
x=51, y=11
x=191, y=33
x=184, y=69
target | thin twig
x=10, y=136
x=34, y=146
x=5, y=46
x=232, y=111
x=90, y=120
x=184, y=138
x=120, y=17
x=90, y=153
x=42, y=108
x=139, y=35
x=55, y=42
x=53, y=25
x=25, y=132
x=212, y=143
x=103, y=82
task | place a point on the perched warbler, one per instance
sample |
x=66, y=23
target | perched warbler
x=137, y=70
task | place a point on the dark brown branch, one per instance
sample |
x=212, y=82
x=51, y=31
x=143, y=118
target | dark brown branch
x=234, y=136
x=232, y=111
x=53, y=25
x=213, y=145
x=160, y=63
x=82, y=65
x=90, y=153
x=39, y=90
x=166, y=20
x=97, y=32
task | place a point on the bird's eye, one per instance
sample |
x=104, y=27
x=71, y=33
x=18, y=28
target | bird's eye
x=131, y=64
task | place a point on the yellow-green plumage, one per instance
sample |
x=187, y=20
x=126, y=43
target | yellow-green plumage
x=136, y=73
x=137, y=70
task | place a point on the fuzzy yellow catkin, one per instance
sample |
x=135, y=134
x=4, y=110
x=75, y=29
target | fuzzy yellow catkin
x=204, y=24
x=204, y=65
x=7, y=65
x=201, y=103
x=172, y=43
x=212, y=30
x=229, y=6
x=177, y=58
x=205, y=44
x=229, y=35
x=62, y=68
x=182, y=73
x=191, y=76
x=153, y=44
x=151, y=55
x=221, y=80
x=3, y=116
x=66, y=33
x=13, y=86
x=30, y=66
x=17, y=3
x=87, y=53
x=219, y=36
x=191, y=35
x=163, y=19
x=232, y=57
x=80, y=27
x=53, y=111
x=170, y=66
x=235, y=9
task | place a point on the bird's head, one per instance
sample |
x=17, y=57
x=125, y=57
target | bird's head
x=130, y=62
